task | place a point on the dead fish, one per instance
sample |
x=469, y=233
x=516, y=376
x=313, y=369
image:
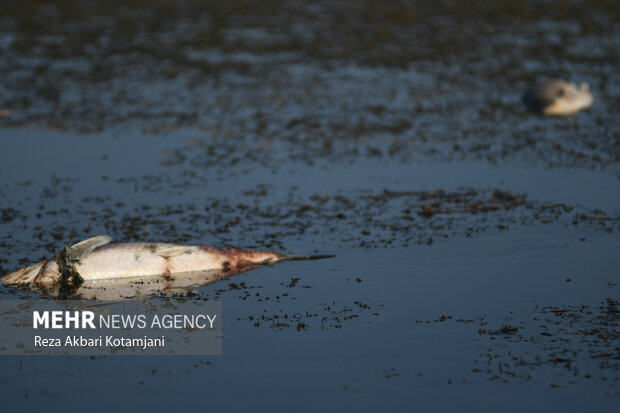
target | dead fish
x=556, y=97
x=95, y=259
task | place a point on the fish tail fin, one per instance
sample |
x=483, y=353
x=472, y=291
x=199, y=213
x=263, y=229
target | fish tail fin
x=276, y=258
x=303, y=257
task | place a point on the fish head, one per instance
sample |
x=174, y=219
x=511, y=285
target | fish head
x=24, y=275
x=569, y=100
x=44, y=273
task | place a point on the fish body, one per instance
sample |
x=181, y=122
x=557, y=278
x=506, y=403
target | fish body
x=556, y=97
x=95, y=259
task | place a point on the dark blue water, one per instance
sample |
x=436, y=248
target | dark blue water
x=476, y=244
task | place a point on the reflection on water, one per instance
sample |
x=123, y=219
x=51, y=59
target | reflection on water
x=137, y=288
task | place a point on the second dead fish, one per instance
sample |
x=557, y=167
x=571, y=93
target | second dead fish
x=556, y=97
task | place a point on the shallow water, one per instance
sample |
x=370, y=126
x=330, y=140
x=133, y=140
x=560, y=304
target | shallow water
x=397, y=352
x=476, y=244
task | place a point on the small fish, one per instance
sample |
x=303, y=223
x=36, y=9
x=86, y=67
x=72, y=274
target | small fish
x=556, y=97
x=95, y=261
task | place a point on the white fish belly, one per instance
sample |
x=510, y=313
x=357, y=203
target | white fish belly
x=135, y=260
x=120, y=261
x=195, y=261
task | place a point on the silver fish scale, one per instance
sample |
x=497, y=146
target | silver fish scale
x=140, y=259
